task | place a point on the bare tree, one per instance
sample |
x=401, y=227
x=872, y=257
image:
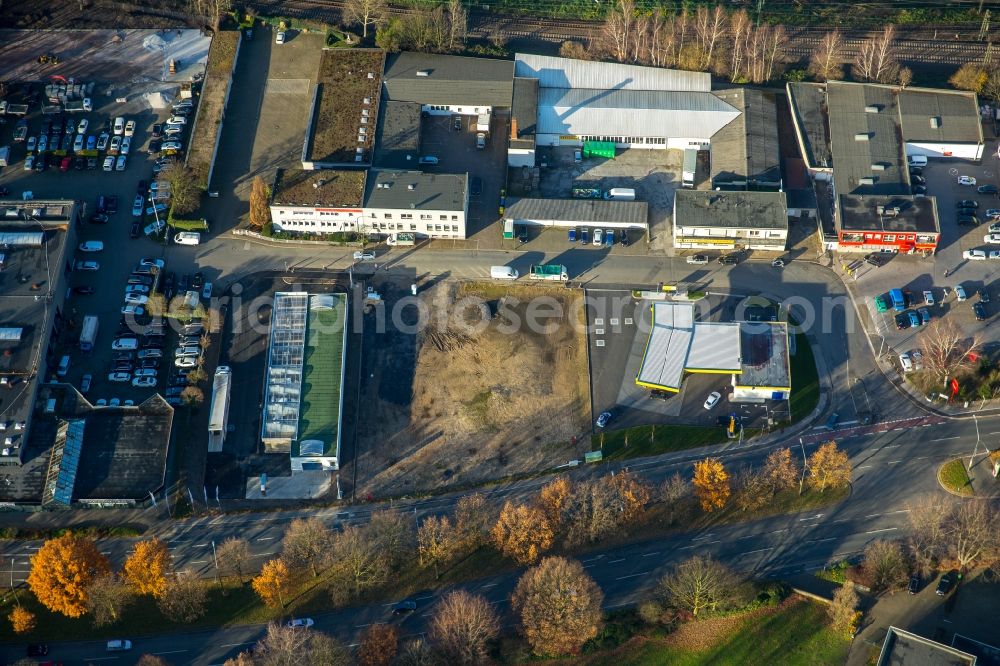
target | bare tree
x=884, y=565
x=107, y=597
x=392, y=535
x=826, y=62
x=991, y=88
x=575, y=50
x=876, y=60
x=752, y=490
x=710, y=27
x=306, y=544
x=617, y=31
x=740, y=27
x=359, y=561
x=974, y=533
x=217, y=8
x=417, y=653
x=365, y=12
x=234, y=555
x=782, y=470
x=928, y=518
x=473, y=518
x=379, y=644
x=463, y=626
x=437, y=543
x=946, y=347
x=458, y=19
x=184, y=599
x=774, y=52
x=697, y=584
x=283, y=646
x=674, y=493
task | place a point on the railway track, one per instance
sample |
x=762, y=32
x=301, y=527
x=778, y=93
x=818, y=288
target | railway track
x=942, y=44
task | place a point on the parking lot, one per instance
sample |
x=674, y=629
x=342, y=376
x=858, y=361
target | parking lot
x=456, y=149
x=113, y=241
x=916, y=275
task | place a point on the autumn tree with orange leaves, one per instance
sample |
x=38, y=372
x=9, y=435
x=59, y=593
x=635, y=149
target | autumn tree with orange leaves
x=829, y=467
x=522, y=533
x=22, y=620
x=148, y=568
x=553, y=499
x=272, y=583
x=62, y=570
x=711, y=484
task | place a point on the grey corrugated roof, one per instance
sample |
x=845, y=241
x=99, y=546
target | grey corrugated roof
x=578, y=211
x=917, y=214
x=808, y=105
x=739, y=210
x=431, y=191
x=553, y=72
x=631, y=113
x=853, y=158
x=397, y=143
x=450, y=80
x=746, y=150
x=956, y=110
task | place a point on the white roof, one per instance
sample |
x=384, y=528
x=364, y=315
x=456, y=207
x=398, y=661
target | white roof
x=553, y=72
x=593, y=112
x=715, y=347
x=668, y=346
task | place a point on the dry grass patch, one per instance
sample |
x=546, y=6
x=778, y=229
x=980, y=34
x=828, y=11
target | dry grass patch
x=211, y=103
x=344, y=84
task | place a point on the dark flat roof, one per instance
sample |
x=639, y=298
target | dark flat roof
x=524, y=111
x=747, y=150
x=808, y=105
x=578, y=210
x=430, y=191
x=397, y=143
x=957, y=116
x=430, y=78
x=916, y=214
x=902, y=648
x=741, y=210
x=326, y=187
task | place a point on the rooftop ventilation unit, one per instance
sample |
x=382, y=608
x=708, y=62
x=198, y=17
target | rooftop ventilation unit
x=861, y=136
x=371, y=75
x=878, y=166
x=872, y=108
x=866, y=181
x=935, y=122
x=423, y=72
x=366, y=101
x=411, y=187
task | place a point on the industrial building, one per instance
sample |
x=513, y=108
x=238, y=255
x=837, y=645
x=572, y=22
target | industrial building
x=218, y=415
x=575, y=212
x=431, y=205
x=903, y=648
x=856, y=138
x=745, y=154
x=628, y=105
x=447, y=84
x=755, y=354
x=304, y=383
x=726, y=220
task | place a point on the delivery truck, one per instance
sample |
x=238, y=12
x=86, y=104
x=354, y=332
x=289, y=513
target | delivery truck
x=88, y=334
x=689, y=168
x=620, y=194
x=553, y=272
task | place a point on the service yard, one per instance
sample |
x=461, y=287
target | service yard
x=476, y=393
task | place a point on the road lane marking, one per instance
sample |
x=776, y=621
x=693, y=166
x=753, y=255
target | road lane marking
x=264, y=538
x=616, y=561
x=751, y=552
x=650, y=554
x=873, y=515
x=172, y=652
x=199, y=561
x=894, y=462
x=822, y=540
x=945, y=439
x=486, y=586
x=641, y=573
x=885, y=529
x=200, y=545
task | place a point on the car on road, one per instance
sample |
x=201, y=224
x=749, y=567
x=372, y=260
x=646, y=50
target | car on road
x=698, y=259
x=991, y=238
x=729, y=259
x=136, y=229
x=778, y=263
x=91, y=246
x=982, y=314
x=914, y=585
x=301, y=623
x=404, y=607
x=987, y=189
x=944, y=585
x=928, y=297
x=906, y=362
x=476, y=186
x=37, y=650
x=361, y=255
x=966, y=180
x=603, y=419
x=712, y=400
x=119, y=645
x=974, y=255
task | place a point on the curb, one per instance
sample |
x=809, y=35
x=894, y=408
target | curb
x=937, y=477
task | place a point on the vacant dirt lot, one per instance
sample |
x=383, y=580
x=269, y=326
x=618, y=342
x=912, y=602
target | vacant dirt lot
x=476, y=394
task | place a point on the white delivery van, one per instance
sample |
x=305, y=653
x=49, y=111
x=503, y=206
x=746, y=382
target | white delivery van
x=917, y=160
x=503, y=273
x=620, y=194
x=63, y=368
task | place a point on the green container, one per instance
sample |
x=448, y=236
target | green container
x=599, y=149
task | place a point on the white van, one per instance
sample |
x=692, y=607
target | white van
x=188, y=238
x=63, y=368
x=620, y=194
x=917, y=161
x=503, y=273
x=125, y=344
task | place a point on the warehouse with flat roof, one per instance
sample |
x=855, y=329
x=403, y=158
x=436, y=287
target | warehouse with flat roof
x=573, y=212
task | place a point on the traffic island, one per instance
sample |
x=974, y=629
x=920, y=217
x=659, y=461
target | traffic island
x=954, y=477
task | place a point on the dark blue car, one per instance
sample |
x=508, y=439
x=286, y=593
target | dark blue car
x=572, y=235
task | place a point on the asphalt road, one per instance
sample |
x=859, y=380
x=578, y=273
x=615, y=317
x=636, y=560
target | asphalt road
x=891, y=469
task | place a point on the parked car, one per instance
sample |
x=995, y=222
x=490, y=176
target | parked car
x=85, y=383
x=980, y=311
x=99, y=218
x=729, y=259
x=172, y=145
x=150, y=354
x=960, y=293
x=86, y=266
x=967, y=203
x=83, y=290
x=991, y=238
x=126, y=145
x=116, y=145
x=974, y=255
x=987, y=189
x=133, y=310
x=914, y=318
x=102, y=141
x=136, y=229
x=91, y=246
x=137, y=205
x=186, y=237
x=109, y=163
x=902, y=321
x=136, y=289
x=906, y=362
x=944, y=585
x=603, y=419
x=185, y=362
x=280, y=37
x=925, y=316
x=966, y=180
x=120, y=377
x=157, y=131
x=120, y=163
x=112, y=204
x=91, y=142
x=914, y=585
x=712, y=400
x=362, y=255
x=928, y=297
